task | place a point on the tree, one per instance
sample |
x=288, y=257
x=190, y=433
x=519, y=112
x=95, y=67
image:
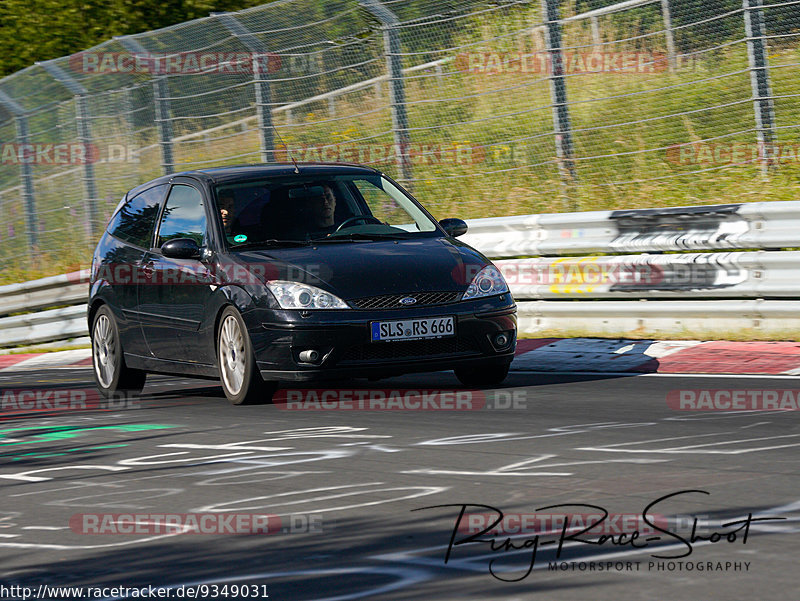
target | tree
x=37, y=30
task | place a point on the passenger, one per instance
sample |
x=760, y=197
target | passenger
x=227, y=211
x=226, y=206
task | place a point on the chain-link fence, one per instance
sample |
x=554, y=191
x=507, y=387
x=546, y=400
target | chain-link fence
x=481, y=108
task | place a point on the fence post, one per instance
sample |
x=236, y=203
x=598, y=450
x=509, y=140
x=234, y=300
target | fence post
x=666, y=14
x=759, y=81
x=397, y=94
x=28, y=197
x=127, y=108
x=595, y=23
x=161, y=101
x=260, y=79
x=558, y=92
x=84, y=137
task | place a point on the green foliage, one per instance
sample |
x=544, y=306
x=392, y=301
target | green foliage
x=37, y=30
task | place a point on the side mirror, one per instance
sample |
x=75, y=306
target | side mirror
x=454, y=227
x=181, y=248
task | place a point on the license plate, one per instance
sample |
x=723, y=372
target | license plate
x=413, y=329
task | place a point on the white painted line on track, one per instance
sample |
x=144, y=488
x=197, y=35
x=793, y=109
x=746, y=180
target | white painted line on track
x=657, y=375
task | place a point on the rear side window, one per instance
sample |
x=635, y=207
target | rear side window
x=184, y=216
x=134, y=222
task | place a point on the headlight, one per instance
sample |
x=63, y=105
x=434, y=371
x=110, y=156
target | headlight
x=488, y=282
x=291, y=295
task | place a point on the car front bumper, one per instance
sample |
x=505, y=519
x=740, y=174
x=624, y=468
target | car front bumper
x=342, y=340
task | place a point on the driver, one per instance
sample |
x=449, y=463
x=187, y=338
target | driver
x=324, y=208
x=321, y=210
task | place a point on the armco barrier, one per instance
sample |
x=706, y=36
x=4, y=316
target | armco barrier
x=622, y=287
x=65, y=289
x=44, y=326
x=683, y=276
x=658, y=319
x=758, y=225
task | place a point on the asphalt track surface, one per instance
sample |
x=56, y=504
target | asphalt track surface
x=344, y=485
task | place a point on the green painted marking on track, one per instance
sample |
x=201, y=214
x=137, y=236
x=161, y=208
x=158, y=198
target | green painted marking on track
x=56, y=433
x=34, y=456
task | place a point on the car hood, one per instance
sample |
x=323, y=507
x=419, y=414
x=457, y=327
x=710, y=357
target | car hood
x=370, y=268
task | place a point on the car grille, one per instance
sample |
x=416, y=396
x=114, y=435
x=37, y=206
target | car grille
x=409, y=349
x=392, y=301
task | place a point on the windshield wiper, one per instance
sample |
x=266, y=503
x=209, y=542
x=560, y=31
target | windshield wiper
x=271, y=243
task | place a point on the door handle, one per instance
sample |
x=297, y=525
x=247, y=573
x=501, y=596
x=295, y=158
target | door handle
x=147, y=269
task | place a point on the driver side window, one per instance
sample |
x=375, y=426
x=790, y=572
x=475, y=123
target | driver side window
x=184, y=216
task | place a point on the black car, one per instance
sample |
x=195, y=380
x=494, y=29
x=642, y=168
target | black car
x=290, y=272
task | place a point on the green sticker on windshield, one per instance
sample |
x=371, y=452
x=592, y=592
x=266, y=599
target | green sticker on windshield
x=239, y=238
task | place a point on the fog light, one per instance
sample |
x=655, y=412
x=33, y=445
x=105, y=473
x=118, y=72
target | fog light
x=310, y=356
x=501, y=340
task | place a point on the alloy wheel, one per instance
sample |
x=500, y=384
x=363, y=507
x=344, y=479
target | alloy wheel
x=232, y=354
x=104, y=346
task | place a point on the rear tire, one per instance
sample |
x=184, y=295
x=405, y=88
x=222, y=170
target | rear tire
x=482, y=375
x=238, y=371
x=111, y=374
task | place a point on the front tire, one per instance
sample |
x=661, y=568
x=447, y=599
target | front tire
x=111, y=374
x=482, y=375
x=238, y=371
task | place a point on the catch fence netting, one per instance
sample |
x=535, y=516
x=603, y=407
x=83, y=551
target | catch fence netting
x=480, y=108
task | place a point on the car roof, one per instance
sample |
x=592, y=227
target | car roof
x=217, y=175
x=220, y=174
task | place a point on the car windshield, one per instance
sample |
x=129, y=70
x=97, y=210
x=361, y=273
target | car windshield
x=292, y=209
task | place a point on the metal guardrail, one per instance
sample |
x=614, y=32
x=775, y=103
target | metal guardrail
x=758, y=225
x=758, y=274
x=65, y=289
x=70, y=289
x=657, y=319
x=671, y=293
x=44, y=326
